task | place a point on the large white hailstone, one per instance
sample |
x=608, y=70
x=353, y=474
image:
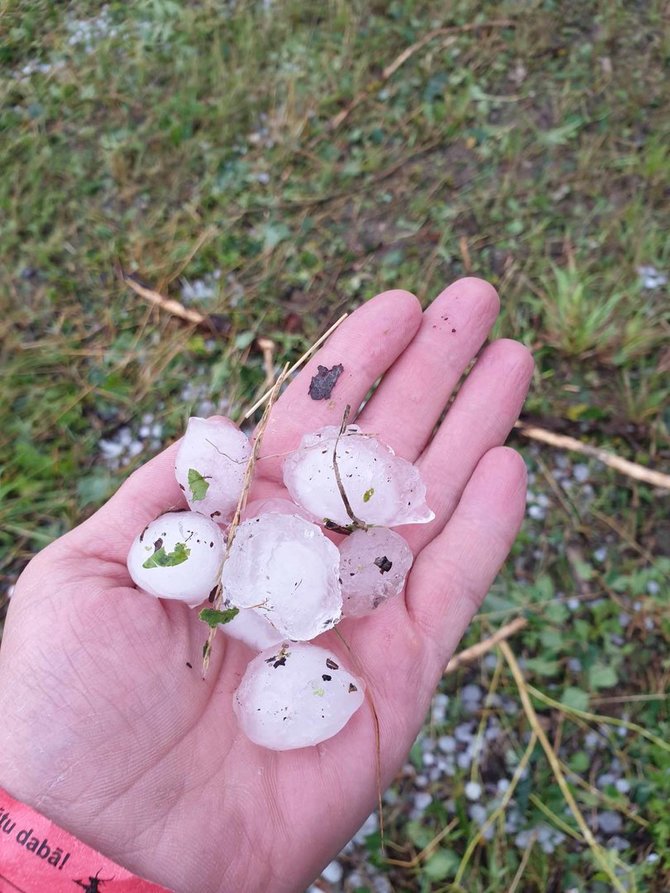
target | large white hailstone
x=178, y=556
x=210, y=466
x=272, y=504
x=382, y=488
x=374, y=564
x=296, y=695
x=288, y=570
x=250, y=627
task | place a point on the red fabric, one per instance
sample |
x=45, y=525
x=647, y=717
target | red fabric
x=37, y=856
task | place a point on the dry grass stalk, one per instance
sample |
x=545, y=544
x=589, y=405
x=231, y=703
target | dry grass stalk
x=235, y=523
x=554, y=762
x=187, y=314
x=297, y=364
x=407, y=54
x=498, y=811
x=624, y=466
x=216, y=323
x=268, y=347
x=476, y=651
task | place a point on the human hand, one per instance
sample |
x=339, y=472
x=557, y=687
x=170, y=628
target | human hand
x=108, y=732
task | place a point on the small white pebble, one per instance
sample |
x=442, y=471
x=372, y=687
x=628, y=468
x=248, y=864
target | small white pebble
x=522, y=839
x=473, y=790
x=477, y=813
x=422, y=800
x=622, y=785
x=581, y=473
x=600, y=554
x=607, y=778
x=369, y=826
x=446, y=744
x=653, y=588
x=610, y=822
x=464, y=732
x=592, y=741
x=617, y=843
x=573, y=603
x=536, y=512
x=333, y=872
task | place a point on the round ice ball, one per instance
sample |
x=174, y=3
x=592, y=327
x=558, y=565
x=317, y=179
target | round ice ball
x=382, y=488
x=286, y=568
x=178, y=556
x=250, y=627
x=296, y=695
x=374, y=564
x=210, y=466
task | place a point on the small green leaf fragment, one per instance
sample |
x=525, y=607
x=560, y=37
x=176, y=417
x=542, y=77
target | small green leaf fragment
x=212, y=617
x=367, y=496
x=198, y=484
x=575, y=698
x=319, y=692
x=161, y=558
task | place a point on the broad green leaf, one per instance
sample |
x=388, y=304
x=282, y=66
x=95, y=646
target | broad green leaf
x=161, y=558
x=212, y=617
x=542, y=666
x=198, y=484
x=575, y=697
x=602, y=676
x=440, y=865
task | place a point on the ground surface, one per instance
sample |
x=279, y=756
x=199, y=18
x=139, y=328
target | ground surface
x=262, y=162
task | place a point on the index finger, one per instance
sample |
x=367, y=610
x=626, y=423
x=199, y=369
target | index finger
x=365, y=345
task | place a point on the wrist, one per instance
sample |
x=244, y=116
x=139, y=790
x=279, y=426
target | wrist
x=37, y=855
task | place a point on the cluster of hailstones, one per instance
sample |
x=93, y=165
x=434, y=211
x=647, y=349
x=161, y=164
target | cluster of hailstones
x=284, y=582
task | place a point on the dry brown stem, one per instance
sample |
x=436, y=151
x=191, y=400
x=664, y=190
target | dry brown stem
x=235, y=523
x=598, y=854
x=476, y=651
x=297, y=364
x=403, y=57
x=214, y=324
x=624, y=466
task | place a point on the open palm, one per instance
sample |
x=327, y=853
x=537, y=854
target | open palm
x=108, y=731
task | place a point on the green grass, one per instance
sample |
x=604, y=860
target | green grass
x=532, y=150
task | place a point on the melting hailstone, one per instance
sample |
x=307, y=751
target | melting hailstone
x=374, y=564
x=285, y=567
x=250, y=627
x=382, y=488
x=296, y=696
x=210, y=466
x=178, y=556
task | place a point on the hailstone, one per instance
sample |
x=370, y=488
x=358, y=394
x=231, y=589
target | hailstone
x=374, y=564
x=210, y=466
x=296, y=696
x=178, y=556
x=286, y=568
x=382, y=488
x=251, y=627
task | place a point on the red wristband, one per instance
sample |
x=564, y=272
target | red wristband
x=37, y=856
